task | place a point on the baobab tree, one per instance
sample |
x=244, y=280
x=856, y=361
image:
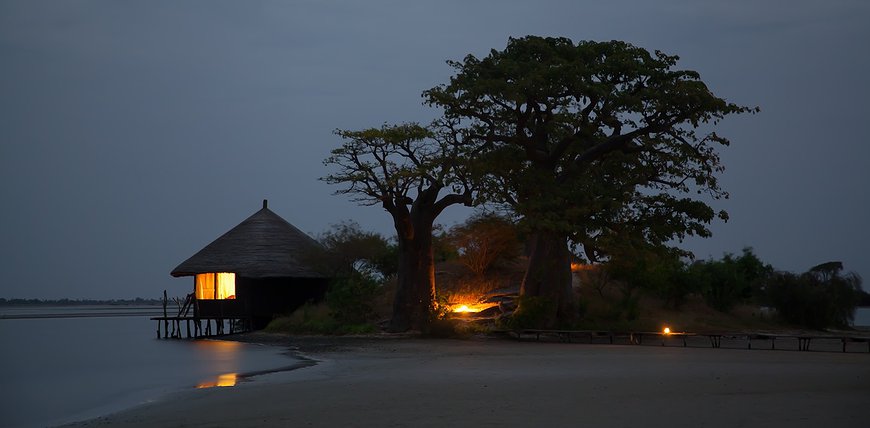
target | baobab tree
x=588, y=143
x=414, y=173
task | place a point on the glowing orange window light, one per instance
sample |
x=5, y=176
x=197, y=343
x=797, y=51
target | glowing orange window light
x=221, y=285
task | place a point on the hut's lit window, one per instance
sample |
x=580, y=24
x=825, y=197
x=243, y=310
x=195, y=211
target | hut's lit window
x=215, y=286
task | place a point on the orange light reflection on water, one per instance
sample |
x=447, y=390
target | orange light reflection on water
x=227, y=379
x=219, y=356
x=220, y=347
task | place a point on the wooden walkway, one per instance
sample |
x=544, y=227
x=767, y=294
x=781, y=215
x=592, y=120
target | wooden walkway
x=172, y=326
x=225, y=324
x=799, y=342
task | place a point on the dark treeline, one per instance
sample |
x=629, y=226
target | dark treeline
x=487, y=246
x=824, y=296
x=79, y=302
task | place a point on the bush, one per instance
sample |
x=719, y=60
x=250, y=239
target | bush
x=532, y=312
x=346, y=249
x=732, y=280
x=308, y=319
x=351, y=299
x=658, y=270
x=816, y=299
x=348, y=309
x=315, y=319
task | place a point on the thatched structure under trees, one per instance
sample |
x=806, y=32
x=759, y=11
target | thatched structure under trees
x=255, y=271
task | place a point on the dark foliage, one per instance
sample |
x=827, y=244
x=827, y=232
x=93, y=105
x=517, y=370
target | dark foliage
x=485, y=241
x=588, y=141
x=532, y=312
x=350, y=299
x=822, y=297
x=732, y=280
x=347, y=249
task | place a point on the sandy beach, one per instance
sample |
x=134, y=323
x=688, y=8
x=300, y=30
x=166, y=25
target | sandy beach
x=411, y=382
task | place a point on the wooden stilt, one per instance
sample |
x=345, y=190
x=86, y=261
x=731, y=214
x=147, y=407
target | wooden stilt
x=166, y=319
x=172, y=327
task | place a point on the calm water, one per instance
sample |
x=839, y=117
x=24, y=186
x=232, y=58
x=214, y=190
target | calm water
x=57, y=370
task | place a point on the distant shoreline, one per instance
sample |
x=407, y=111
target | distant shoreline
x=79, y=302
x=44, y=311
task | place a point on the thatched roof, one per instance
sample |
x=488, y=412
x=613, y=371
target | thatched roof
x=264, y=245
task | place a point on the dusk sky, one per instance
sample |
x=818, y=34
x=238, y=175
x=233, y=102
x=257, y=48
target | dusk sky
x=133, y=133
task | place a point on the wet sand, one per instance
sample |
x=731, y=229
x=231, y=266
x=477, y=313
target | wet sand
x=408, y=382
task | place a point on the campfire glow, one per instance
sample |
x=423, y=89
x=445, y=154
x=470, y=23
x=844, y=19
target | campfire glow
x=580, y=267
x=464, y=308
x=667, y=330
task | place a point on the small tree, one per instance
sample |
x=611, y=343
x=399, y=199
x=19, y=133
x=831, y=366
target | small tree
x=842, y=292
x=347, y=250
x=734, y=279
x=816, y=299
x=636, y=265
x=484, y=241
x=404, y=169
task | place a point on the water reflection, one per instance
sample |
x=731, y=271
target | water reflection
x=220, y=347
x=55, y=371
x=227, y=379
x=221, y=357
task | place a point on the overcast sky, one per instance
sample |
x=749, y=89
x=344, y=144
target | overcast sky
x=133, y=133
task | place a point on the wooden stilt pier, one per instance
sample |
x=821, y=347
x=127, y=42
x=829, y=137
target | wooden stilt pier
x=172, y=324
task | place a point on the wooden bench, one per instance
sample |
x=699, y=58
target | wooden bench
x=715, y=338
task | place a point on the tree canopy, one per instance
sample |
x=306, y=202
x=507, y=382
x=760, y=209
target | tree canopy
x=594, y=142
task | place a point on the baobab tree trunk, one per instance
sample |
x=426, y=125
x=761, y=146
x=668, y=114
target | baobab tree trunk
x=415, y=291
x=548, y=280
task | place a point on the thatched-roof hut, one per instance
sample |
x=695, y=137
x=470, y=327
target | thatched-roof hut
x=256, y=270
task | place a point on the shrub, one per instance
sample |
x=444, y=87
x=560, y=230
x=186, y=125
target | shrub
x=315, y=319
x=346, y=249
x=817, y=299
x=351, y=299
x=348, y=309
x=659, y=270
x=732, y=280
x=308, y=319
x=532, y=312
